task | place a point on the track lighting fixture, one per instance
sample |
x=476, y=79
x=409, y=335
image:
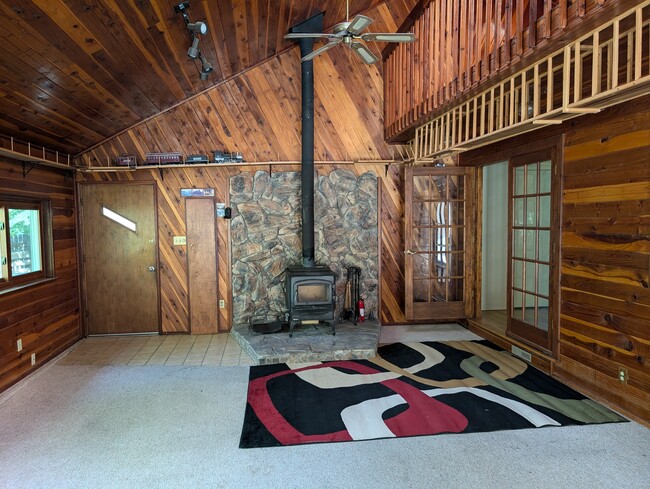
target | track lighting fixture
x=206, y=68
x=193, y=51
x=196, y=29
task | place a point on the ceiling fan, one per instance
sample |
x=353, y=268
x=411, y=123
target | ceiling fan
x=349, y=34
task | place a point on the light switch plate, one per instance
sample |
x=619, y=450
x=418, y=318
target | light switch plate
x=180, y=240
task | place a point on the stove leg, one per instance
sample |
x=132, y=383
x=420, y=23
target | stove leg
x=292, y=324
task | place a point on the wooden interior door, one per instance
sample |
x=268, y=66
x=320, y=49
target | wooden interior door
x=533, y=250
x=119, y=254
x=439, y=240
x=202, y=262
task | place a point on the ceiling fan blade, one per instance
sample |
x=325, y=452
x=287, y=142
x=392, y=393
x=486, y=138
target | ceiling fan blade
x=364, y=53
x=305, y=35
x=386, y=37
x=321, y=50
x=359, y=23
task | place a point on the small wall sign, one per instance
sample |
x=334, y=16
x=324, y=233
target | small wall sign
x=180, y=240
x=197, y=192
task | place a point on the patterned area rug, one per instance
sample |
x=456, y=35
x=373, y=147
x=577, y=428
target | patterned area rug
x=408, y=390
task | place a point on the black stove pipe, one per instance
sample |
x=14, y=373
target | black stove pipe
x=312, y=25
x=307, y=175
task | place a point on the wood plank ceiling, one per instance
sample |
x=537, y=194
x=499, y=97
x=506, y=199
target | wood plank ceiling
x=76, y=72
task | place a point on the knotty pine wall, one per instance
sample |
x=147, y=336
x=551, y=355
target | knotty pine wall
x=171, y=222
x=258, y=114
x=605, y=251
x=605, y=274
x=46, y=316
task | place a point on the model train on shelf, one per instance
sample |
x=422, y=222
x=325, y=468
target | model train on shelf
x=176, y=158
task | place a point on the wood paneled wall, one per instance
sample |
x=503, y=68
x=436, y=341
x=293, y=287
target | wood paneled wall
x=605, y=252
x=45, y=316
x=171, y=221
x=605, y=275
x=258, y=114
x=392, y=246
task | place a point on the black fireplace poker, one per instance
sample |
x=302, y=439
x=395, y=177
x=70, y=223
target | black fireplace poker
x=313, y=24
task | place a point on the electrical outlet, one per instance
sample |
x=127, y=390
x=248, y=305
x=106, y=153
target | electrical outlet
x=33, y=358
x=222, y=304
x=19, y=345
x=622, y=375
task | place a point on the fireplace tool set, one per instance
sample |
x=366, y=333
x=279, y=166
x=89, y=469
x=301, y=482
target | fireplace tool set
x=353, y=306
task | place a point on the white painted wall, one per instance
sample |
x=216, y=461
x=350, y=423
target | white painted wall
x=495, y=235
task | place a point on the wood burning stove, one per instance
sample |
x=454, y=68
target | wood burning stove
x=311, y=296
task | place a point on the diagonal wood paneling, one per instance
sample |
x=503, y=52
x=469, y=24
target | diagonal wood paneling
x=258, y=114
x=75, y=73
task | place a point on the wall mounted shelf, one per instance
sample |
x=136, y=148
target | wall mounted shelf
x=28, y=158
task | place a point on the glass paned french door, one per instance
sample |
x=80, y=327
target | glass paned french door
x=531, y=250
x=437, y=227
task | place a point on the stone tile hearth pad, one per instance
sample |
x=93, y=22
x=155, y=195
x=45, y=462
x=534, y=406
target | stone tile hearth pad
x=310, y=343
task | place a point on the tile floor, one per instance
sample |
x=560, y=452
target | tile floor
x=210, y=350
x=215, y=350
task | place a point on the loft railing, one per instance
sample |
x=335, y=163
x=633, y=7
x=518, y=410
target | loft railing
x=461, y=43
x=607, y=66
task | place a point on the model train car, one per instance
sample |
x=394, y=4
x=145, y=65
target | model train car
x=225, y=157
x=167, y=158
x=196, y=159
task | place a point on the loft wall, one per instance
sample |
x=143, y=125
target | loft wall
x=45, y=316
x=258, y=114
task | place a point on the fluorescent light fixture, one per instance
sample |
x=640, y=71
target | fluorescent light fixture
x=114, y=216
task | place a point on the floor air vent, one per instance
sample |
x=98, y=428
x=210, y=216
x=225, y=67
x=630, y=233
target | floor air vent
x=524, y=355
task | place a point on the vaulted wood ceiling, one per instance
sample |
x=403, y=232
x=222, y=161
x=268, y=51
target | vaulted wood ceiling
x=75, y=72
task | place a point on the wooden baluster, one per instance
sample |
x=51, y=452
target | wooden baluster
x=480, y=37
x=497, y=35
x=564, y=12
x=547, y=18
x=471, y=40
x=638, y=46
x=507, y=44
x=463, y=46
x=519, y=34
x=615, y=46
x=488, y=37
x=532, y=23
x=577, y=73
x=595, y=64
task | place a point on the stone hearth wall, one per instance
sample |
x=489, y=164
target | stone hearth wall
x=266, y=237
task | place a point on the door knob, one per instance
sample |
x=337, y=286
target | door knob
x=152, y=268
x=409, y=252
